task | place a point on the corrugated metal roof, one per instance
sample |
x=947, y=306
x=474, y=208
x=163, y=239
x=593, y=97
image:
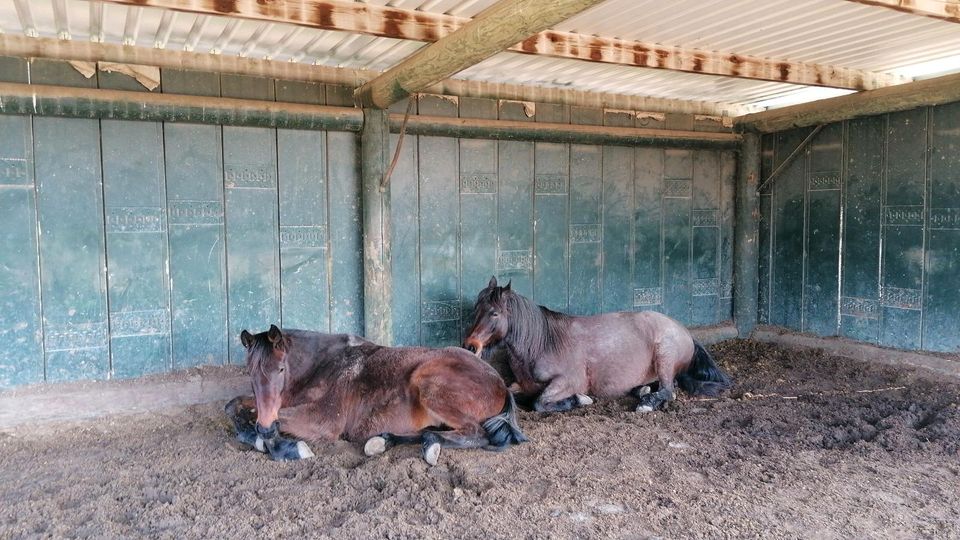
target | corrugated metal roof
x=833, y=32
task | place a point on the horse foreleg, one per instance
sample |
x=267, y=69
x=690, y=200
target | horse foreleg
x=243, y=411
x=666, y=366
x=301, y=422
x=558, y=396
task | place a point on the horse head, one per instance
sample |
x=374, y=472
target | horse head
x=491, y=316
x=267, y=364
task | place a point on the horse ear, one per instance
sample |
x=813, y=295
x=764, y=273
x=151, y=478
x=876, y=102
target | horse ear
x=507, y=288
x=493, y=282
x=275, y=336
x=246, y=338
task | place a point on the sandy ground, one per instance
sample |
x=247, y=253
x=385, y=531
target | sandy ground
x=831, y=462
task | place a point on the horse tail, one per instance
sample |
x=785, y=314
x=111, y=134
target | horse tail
x=703, y=376
x=503, y=429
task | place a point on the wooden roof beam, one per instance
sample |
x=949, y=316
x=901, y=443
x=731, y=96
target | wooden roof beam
x=385, y=21
x=936, y=91
x=945, y=10
x=495, y=29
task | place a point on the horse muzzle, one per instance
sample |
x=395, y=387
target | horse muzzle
x=473, y=345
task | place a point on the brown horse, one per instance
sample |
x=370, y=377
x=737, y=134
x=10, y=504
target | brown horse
x=561, y=358
x=322, y=387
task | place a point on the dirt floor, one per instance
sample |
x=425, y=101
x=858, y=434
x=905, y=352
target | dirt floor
x=800, y=448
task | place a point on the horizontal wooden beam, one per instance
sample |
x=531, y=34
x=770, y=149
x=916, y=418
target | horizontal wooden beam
x=495, y=29
x=945, y=10
x=26, y=47
x=507, y=130
x=397, y=23
x=936, y=91
x=71, y=102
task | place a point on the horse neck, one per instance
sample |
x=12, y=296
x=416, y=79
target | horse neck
x=542, y=333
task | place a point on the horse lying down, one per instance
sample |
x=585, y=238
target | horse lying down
x=317, y=387
x=561, y=359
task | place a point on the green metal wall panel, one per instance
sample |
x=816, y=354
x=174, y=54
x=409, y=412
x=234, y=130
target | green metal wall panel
x=728, y=179
x=900, y=255
x=346, y=243
x=302, y=187
x=439, y=232
x=73, y=284
x=478, y=208
x=515, y=166
x=136, y=228
x=551, y=204
x=647, y=229
x=405, y=230
x=941, y=302
x=677, y=234
x=194, y=180
x=821, y=275
x=705, y=238
x=586, y=189
x=618, y=222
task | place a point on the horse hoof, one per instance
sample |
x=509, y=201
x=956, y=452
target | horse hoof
x=303, y=450
x=258, y=444
x=644, y=390
x=375, y=446
x=584, y=400
x=432, y=454
x=644, y=408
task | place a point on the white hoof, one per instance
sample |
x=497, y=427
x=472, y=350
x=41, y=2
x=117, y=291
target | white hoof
x=375, y=446
x=584, y=400
x=643, y=391
x=303, y=450
x=432, y=454
x=258, y=444
x=644, y=408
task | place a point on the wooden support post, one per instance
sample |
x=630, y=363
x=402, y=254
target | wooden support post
x=497, y=28
x=377, y=276
x=745, y=252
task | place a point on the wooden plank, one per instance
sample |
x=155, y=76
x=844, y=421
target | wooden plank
x=942, y=264
x=618, y=248
x=72, y=281
x=522, y=130
x=404, y=207
x=586, y=228
x=515, y=168
x=134, y=196
x=862, y=208
x=496, y=28
x=903, y=230
x=647, y=276
x=20, y=314
x=677, y=230
x=551, y=204
x=407, y=24
x=346, y=243
x=820, y=295
x=936, y=91
x=944, y=10
x=705, y=238
x=302, y=188
x=440, y=295
x=478, y=183
x=250, y=206
x=193, y=161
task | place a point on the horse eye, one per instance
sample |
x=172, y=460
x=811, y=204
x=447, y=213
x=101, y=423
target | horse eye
x=280, y=370
x=496, y=314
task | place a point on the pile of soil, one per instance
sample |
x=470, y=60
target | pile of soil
x=806, y=445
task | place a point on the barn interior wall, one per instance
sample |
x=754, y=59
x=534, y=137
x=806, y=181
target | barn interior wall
x=579, y=228
x=860, y=236
x=132, y=248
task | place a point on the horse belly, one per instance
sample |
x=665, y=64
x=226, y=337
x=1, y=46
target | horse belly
x=618, y=361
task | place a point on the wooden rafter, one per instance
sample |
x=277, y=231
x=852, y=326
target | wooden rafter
x=946, y=10
x=489, y=33
x=397, y=23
